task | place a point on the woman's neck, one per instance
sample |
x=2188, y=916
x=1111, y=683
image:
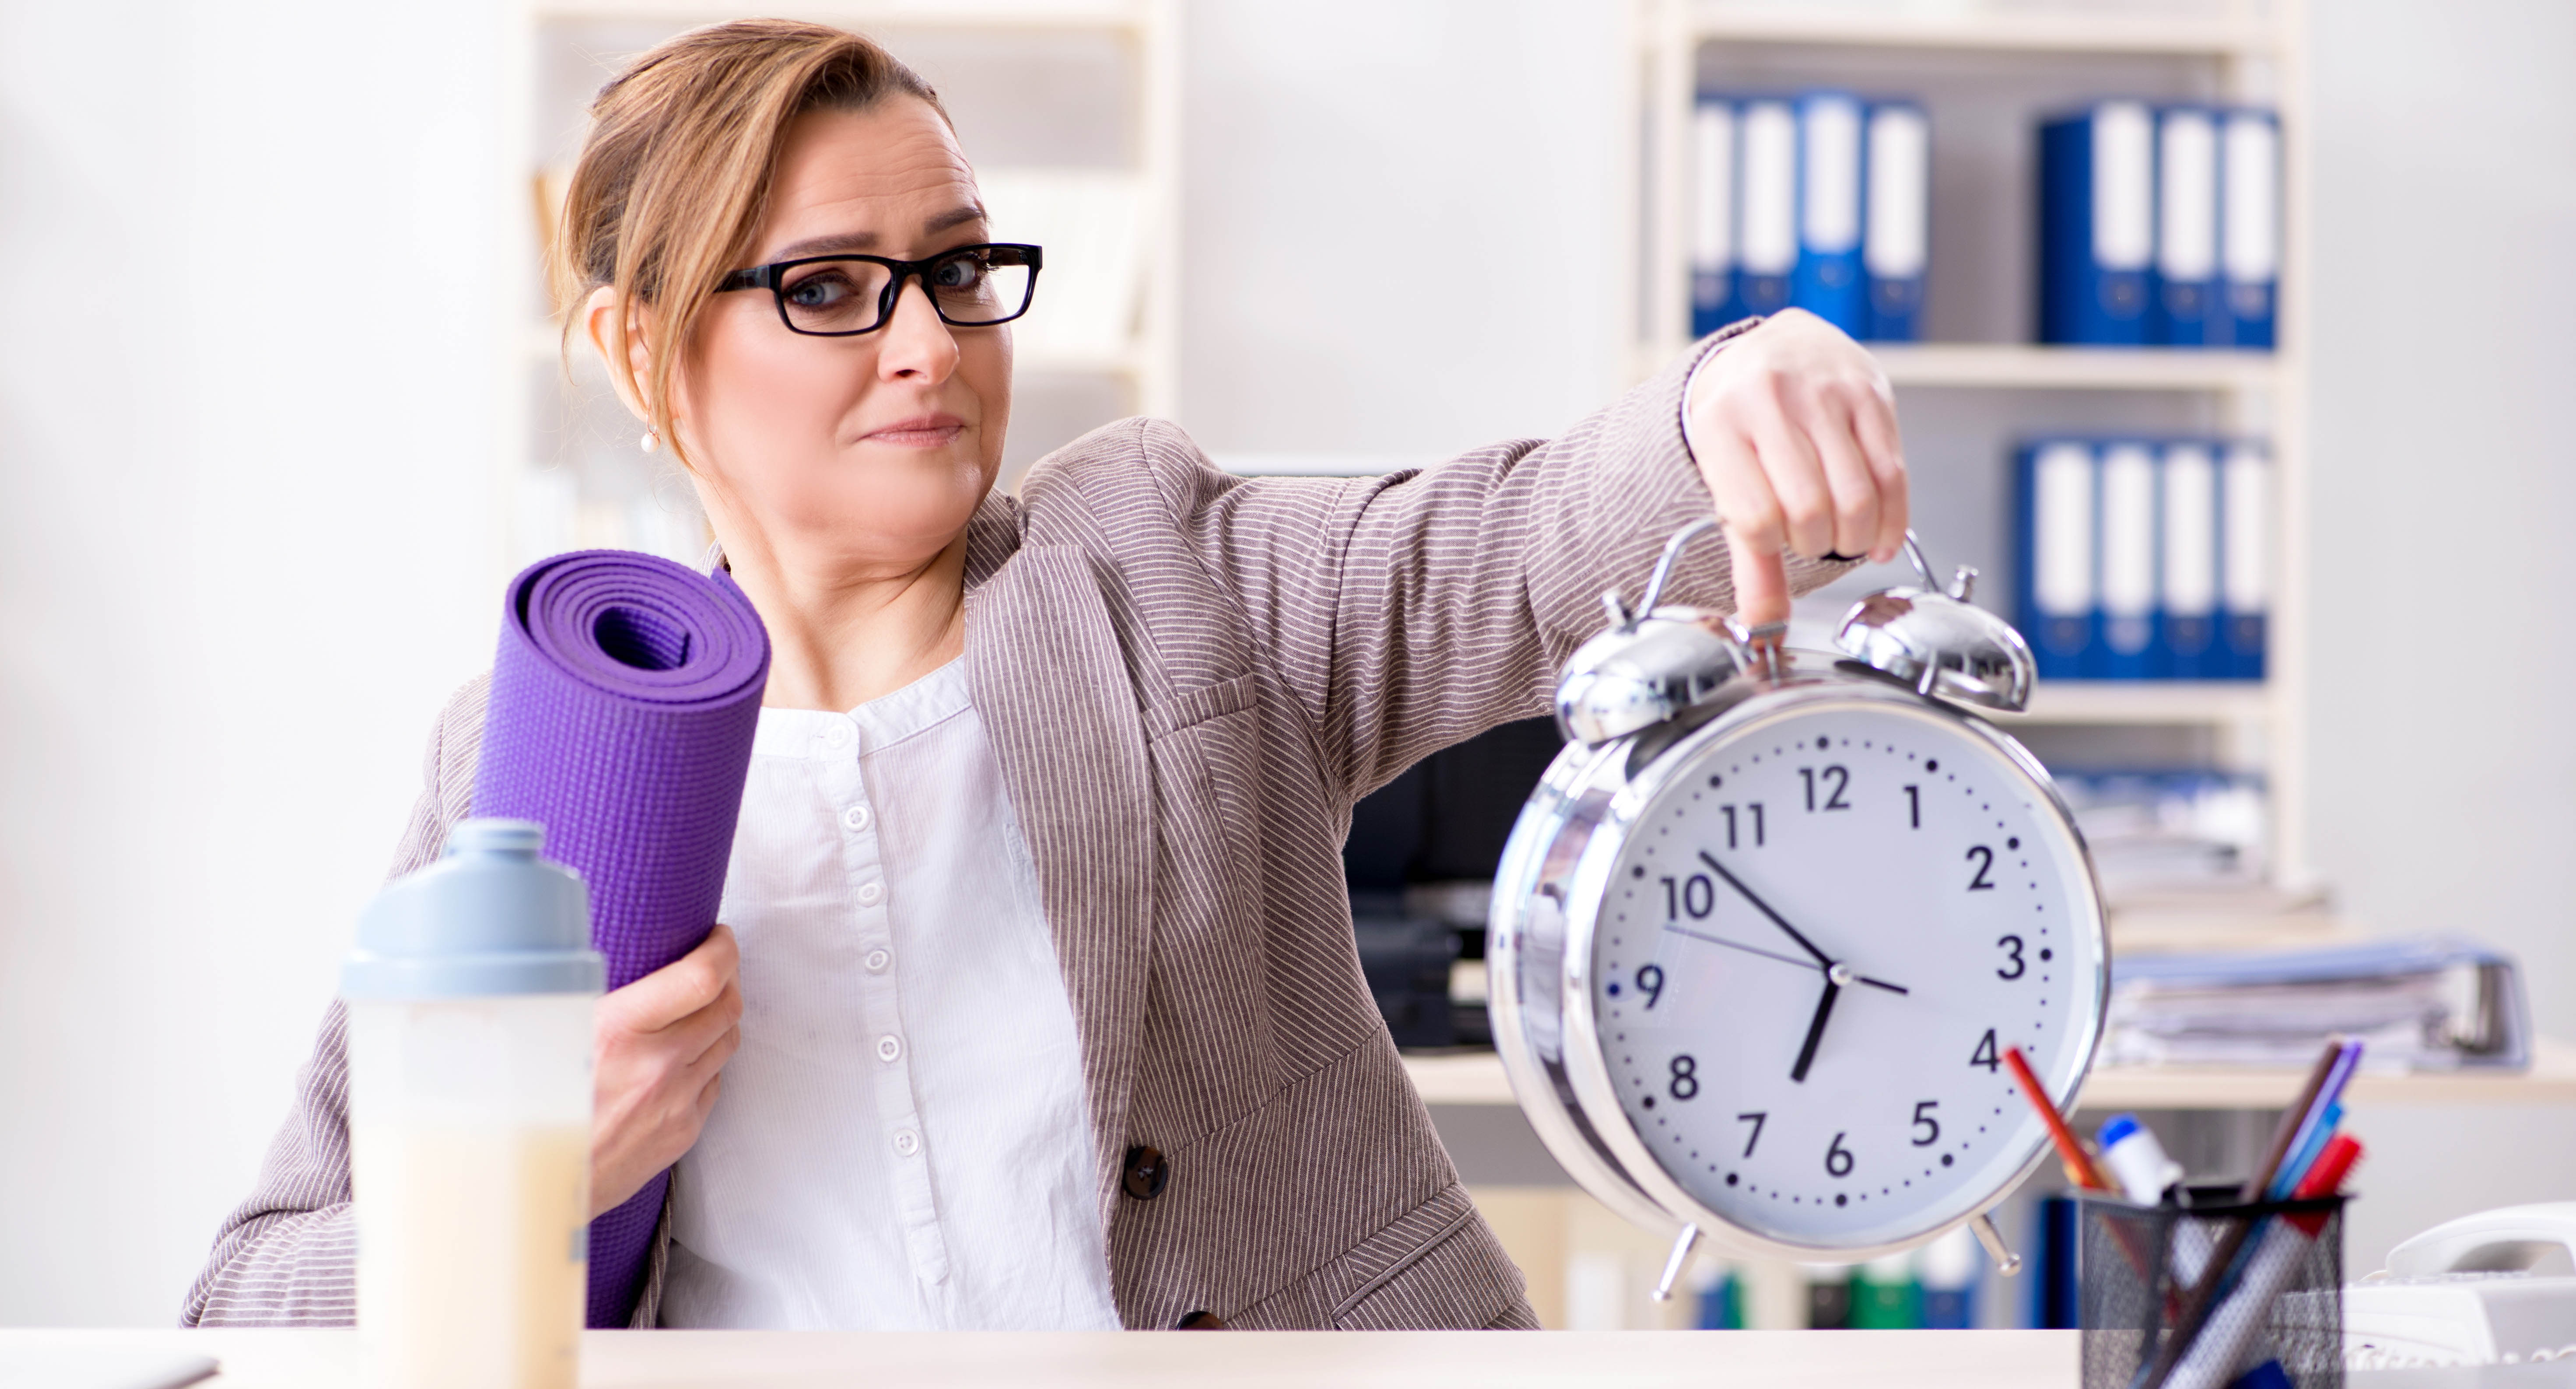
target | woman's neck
x=838, y=639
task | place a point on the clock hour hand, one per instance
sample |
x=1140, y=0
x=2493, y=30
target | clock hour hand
x=1815, y=1031
x=1823, y=960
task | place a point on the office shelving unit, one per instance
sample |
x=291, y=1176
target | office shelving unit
x=1048, y=93
x=1988, y=70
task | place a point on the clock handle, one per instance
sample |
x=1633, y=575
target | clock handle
x=2007, y=1263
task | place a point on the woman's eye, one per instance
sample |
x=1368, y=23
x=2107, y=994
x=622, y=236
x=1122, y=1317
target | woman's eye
x=959, y=274
x=819, y=291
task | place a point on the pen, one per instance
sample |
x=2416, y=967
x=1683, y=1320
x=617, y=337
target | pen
x=2204, y=1294
x=2319, y=1120
x=2070, y=1150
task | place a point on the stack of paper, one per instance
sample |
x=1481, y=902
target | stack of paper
x=2424, y=1004
x=2163, y=830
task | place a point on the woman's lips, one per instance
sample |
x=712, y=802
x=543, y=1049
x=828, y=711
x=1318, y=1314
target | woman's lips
x=920, y=431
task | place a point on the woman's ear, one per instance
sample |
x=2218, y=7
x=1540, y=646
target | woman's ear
x=611, y=330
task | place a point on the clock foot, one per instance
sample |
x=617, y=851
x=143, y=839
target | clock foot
x=2007, y=1263
x=1673, y=1266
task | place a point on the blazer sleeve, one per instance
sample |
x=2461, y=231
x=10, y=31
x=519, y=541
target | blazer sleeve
x=288, y=1255
x=1410, y=612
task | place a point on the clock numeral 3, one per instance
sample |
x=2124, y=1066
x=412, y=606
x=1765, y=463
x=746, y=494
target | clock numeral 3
x=1755, y=807
x=2011, y=945
x=1755, y=1119
x=1985, y=1053
x=1838, y=1162
x=1840, y=777
x=1925, y=1125
x=1685, y=1078
x=1984, y=858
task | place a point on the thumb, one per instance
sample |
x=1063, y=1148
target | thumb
x=1761, y=582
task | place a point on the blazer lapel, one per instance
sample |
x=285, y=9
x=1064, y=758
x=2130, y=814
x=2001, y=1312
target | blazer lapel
x=1051, y=683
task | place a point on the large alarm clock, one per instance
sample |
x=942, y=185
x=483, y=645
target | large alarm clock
x=1764, y=932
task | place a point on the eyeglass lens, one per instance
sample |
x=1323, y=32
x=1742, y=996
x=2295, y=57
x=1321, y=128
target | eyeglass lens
x=846, y=296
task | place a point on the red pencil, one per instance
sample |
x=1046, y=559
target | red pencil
x=2070, y=1150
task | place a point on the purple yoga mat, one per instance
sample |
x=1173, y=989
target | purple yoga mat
x=624, y=700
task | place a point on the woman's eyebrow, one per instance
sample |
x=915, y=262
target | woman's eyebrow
x=840, y=243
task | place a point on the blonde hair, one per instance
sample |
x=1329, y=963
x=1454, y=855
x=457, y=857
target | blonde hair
x=674, y=177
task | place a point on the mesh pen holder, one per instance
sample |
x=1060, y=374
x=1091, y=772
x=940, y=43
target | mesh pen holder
x=2278, y=1303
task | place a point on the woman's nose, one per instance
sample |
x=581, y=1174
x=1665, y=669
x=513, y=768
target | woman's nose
x=917, y=344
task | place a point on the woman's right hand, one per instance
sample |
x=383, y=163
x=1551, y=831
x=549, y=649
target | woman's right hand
x=661, y=1044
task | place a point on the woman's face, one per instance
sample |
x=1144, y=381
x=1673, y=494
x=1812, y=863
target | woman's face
x=866, y=454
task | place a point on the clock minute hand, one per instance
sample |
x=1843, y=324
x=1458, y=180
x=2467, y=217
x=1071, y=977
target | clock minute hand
x=1823, y=960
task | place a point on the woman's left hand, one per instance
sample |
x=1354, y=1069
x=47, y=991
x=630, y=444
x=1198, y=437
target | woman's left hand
x=1794, y=427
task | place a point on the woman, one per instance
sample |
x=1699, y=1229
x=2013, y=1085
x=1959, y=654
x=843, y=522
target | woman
x=1049, y=1011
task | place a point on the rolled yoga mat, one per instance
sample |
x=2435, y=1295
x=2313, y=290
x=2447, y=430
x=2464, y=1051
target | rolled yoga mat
x=624, y=700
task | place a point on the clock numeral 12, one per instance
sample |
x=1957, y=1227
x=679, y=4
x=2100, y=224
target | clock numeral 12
x=1756, y=808
x=1839, y=776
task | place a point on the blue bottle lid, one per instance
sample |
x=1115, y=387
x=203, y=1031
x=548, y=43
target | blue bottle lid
x=2117, y=1127
x=490, y=918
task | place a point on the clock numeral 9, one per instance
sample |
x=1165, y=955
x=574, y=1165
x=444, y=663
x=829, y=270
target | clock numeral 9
x=1839, y=776
x=1984, y=858
x=1650, y=982
x=2011, y=945
x=1925, y=1125
x=1838, y=1161
x=1685, y=1078
x=1696, y=895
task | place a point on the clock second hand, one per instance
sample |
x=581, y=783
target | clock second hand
x=1823, y=961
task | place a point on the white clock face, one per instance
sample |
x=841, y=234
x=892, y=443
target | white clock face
x=1814, y=948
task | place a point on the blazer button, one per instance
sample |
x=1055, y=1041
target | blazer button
x=1200, y=1321
x=1148, y=1171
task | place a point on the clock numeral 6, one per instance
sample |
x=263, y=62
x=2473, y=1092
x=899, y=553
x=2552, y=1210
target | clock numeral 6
x=1685, y=1078
x=2011, y=945
x=1925, y=1125
x=1838, y=1161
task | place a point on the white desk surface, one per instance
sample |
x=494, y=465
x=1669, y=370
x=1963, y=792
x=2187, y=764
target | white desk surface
x=1170, y=1360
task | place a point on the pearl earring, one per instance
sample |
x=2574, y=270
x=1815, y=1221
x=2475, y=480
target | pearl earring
x=652, y=440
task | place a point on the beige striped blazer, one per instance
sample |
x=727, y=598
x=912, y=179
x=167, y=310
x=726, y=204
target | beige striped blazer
x=1189, y=678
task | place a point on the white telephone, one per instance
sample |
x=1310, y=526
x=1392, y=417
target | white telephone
x=2470, y=1292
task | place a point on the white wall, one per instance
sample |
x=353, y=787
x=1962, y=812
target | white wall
x=2443, y=735
x=248, y=359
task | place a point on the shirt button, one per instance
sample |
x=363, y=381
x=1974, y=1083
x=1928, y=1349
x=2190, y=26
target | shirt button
x=1147, y=1172
x=869, y=893
x=907, y=1142
x=889, y=1047
x=837, y=735
x=878, y=960
x=856, y=817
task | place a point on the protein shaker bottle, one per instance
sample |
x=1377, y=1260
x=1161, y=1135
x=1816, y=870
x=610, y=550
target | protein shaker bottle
x=470, y=996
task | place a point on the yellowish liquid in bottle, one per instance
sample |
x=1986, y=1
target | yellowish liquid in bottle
x=472, y=1255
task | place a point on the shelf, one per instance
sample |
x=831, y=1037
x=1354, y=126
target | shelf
x=2143, y=702
x=2004, y=32
x=941, y=14
x=1476, y=1078
x=2011, y=366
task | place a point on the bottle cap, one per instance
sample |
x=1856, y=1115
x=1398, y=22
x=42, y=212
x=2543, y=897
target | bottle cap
x=490, y=918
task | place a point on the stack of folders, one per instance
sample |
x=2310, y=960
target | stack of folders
x=2145, y=559
x=2167, y=829
x=1821, y=201
x=2160, y=226
x=2426, y=1004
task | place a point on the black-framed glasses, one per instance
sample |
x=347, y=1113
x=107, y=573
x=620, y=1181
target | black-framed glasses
x=844, y=296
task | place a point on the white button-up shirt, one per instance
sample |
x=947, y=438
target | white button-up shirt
x=902, y=1143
